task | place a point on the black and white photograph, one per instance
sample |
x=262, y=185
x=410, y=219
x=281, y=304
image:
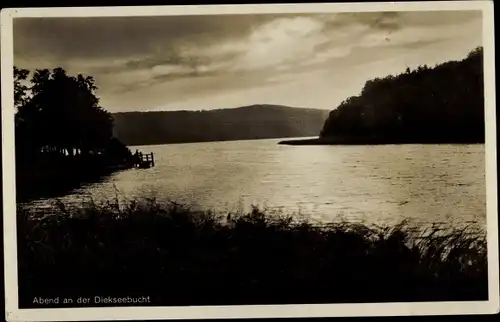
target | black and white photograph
x=249, y=161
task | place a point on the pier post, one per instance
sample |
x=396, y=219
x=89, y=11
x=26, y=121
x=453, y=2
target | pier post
x=152, y=159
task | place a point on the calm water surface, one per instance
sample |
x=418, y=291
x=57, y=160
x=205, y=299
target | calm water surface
x=376, y=184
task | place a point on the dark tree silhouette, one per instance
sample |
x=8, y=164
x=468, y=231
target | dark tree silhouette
x=440, y=104
x=61, y=130
x=20, y=89
x=62, y=114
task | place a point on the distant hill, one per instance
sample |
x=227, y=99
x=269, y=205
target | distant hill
x=243, y=123
x=440, y=104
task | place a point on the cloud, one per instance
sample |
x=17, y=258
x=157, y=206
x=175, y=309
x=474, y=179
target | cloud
x=271, y=45
x=150, y=60
x=170, y=69
x=282, y=41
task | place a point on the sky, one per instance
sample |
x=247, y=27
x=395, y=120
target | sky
x=227, y=61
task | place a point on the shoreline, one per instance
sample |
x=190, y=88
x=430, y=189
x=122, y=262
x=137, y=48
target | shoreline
x=219, y=141
x=371, y=141
x=40, y=182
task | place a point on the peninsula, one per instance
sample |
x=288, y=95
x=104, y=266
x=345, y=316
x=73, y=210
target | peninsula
x=442, y=104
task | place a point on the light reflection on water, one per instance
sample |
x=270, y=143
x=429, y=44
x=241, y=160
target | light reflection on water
x=375, y=184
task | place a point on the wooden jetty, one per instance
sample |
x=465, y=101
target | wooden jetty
x=144, y=161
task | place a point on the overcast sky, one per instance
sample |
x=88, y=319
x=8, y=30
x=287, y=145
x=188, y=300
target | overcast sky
x=205, y=62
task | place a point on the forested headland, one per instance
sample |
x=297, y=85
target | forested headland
x=261, y=121
x=440, y=104
x=62, y=135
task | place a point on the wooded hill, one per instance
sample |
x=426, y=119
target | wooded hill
x=443, y=104
x=243, y=123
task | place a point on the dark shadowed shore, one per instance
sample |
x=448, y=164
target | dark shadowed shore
x=375, y=141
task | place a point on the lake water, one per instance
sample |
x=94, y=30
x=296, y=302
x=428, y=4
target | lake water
x=376, y=184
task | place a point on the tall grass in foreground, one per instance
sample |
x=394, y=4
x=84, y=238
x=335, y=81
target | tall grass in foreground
x=179, y=256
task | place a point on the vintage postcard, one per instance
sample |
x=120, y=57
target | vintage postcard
x=249, y=161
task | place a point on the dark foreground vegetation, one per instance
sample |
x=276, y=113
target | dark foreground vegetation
x=179, y=256
x=63, y=136
x=440, y=104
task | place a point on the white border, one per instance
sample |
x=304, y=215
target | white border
x=254, y=311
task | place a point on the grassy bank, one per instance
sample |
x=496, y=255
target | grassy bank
x=178, y=256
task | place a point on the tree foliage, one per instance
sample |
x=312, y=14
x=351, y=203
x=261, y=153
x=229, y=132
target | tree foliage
x=440, y=104
x=59, y=114
x=20, y=89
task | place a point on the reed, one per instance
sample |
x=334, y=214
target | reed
x=181, y=256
